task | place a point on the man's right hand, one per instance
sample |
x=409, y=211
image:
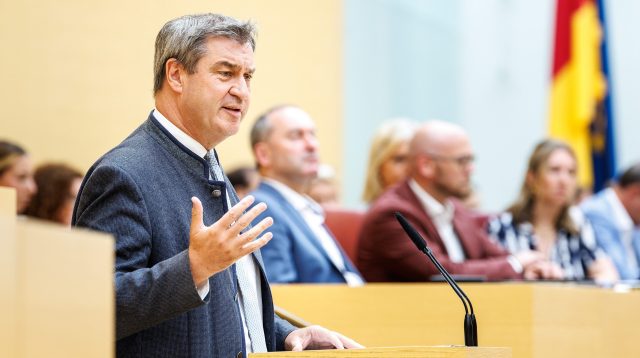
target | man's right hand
x=216, y=247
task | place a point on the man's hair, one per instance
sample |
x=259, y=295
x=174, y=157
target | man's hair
x=185, y=39
x=630, y=176
x=262, y=128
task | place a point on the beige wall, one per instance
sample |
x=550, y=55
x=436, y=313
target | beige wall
x=77, y=74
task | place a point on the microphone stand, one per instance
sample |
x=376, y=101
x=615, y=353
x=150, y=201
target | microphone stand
x=470, y=326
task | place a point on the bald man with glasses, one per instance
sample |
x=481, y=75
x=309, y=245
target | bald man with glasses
x=441, y=164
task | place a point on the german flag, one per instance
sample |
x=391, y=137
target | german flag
x=580, y=96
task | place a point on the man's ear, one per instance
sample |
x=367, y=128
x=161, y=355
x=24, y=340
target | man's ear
x=426, y=166
x=263, y=154
x=174, y=73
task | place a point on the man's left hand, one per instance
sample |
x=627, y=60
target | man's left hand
x=316, y=337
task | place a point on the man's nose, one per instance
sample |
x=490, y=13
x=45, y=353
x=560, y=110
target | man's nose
x=469, y=168
x=240, y=89
x=311, y=142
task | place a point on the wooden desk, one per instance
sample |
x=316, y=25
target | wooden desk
x=536, y=320
x=8, y=282
x=57, y=291
x=396, y=352
x=8, y=201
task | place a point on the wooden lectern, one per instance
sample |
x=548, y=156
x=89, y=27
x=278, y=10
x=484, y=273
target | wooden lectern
x=8, y=202
x=396, y=352
x=8, y=281
x=56, y=295
x=534, y=319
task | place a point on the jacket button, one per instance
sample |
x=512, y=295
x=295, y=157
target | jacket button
x=239, y=355
x=216, y=193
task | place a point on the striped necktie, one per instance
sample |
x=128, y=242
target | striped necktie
x=249, y=306
x=214, y=166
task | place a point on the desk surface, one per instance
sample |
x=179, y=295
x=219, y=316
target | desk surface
x=536, y=320
x=396, y=352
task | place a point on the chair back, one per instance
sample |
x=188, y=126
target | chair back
x=345, y=224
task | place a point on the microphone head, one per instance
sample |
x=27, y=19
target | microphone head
x=413, y=234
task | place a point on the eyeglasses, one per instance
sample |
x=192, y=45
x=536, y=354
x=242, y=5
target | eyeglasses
x=462, y=161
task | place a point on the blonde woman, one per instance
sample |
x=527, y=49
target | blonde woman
x=388, y=157
x=543, y=219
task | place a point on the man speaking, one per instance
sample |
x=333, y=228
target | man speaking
x=188, y=276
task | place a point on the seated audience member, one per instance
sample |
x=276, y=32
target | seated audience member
x=302, y=249
x=16, y=171
x=244, y=180
x=58, y=186
x=542, y=219
x=388, y=157
x=189, y=281
x=441, y=163
x=615, y=216
x=323, y=189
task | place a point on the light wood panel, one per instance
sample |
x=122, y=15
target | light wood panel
x=64, y=292
x=8, y=201
x=8, y=284
x=81, y=75
x=536, y=320
x=396, y=352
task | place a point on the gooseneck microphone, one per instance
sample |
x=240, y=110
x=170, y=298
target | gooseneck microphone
x=470, y=326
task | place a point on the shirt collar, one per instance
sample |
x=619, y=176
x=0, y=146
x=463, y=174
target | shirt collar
x=619, y=212
x=433, y=207
x=182, y=137
x=297, y=200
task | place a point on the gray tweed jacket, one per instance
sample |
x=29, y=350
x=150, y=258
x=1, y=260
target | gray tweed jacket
x=140, y=193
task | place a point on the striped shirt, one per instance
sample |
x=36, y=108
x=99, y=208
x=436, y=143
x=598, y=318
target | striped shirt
x=574, y=253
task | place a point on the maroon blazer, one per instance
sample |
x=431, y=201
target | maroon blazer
x=385, y=252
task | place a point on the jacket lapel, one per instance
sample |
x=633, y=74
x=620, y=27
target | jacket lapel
x=299, y=222
x=466, y=229
x=432, y=234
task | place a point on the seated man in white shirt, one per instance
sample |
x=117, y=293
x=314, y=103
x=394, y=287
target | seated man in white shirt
x=441, y=164
x=303, y=249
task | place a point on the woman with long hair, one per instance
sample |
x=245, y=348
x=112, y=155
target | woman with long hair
x=543, y=219
x=388, y=157
x=58, y=186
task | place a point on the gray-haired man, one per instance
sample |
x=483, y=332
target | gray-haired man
x=189, y=278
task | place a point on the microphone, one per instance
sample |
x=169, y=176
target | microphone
x=470, y=326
